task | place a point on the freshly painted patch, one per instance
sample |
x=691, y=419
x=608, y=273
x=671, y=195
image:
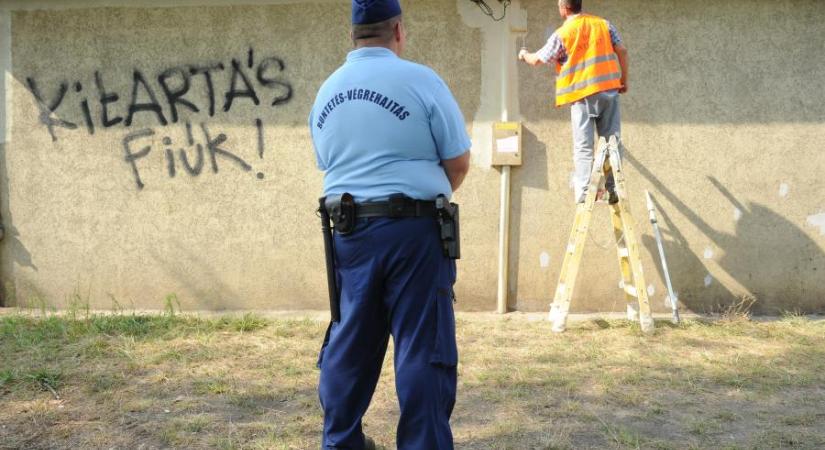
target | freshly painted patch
x=708, y=253
x=737, y=214
x=651, y=290
x=632, y=312
x=784, y=189
x=708, y=280
x=544, y=259
x=818, y=220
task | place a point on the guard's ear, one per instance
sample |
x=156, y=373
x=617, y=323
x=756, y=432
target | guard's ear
x=399, y=30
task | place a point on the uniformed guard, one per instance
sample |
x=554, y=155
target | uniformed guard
x=391, y=141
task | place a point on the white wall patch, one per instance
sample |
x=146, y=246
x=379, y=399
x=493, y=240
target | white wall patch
x=544, y=260
x=708, y=253
x=651, y=289
x=818, y=220
x=708, y=280
x=783, y=189
x=737, y=214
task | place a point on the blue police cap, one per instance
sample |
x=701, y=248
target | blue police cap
x=373, y=11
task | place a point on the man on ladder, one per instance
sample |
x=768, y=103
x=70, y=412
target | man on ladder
x=591, y=69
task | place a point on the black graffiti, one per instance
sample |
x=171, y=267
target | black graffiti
x=151, y=106
x=207, y=71
x=214, y=149
x=236, y=91
x=163, y=98
x=106, y=98
x=175, y=95
x=259, y=125
x=47, y=109
x=131, y=156
x=273, y=80
x=87, y=113
x=184, y=158
x=214, y=145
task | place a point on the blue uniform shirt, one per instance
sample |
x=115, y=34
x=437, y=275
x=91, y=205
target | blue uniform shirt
x=381, y=125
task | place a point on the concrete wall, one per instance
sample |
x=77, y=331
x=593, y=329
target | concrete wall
x=721, y=125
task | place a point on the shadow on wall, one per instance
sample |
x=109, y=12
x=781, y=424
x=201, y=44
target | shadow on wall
x=767, y=255
x=12, y=248
x=531, y=174
x=197, y=277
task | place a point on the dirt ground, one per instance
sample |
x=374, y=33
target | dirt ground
x=144, y=381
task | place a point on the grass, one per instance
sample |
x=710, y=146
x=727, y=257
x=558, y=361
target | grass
x=171, y=380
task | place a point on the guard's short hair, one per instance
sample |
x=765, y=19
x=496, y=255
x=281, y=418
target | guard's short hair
x=380, y=31
x=574, y=5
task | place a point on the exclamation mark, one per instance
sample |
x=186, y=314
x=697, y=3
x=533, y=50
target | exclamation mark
x=260, y=126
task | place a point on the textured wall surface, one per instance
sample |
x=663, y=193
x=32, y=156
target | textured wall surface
x=722, y=125
x=201, y=202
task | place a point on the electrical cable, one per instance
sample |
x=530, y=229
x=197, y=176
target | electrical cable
x=488, y=11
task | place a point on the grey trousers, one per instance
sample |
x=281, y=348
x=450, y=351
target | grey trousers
x=601, y=110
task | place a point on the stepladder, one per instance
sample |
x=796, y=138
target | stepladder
x=607, y=162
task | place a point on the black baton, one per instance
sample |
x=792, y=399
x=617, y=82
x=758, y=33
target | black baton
x=329, y=251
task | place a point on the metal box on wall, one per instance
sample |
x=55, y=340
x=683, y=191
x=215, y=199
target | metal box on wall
x=507, y=143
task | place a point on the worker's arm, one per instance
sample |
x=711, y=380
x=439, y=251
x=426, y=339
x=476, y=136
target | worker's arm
x=621, y=52
x=530, y=58
x=456, y=169
x=552, y=51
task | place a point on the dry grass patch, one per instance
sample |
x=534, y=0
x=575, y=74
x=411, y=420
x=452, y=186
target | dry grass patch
x=176, y=381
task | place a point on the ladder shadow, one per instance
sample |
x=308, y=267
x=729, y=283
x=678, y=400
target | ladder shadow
x=755, y=256
x=687, y=272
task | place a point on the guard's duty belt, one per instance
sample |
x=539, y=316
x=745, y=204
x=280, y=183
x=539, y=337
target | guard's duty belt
x=344, y=213
x=396, y=208
x=340, y=213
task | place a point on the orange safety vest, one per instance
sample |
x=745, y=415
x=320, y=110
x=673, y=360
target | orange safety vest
x=592, y=65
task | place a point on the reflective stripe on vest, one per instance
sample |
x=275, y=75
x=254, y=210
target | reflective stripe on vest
x=592, y=65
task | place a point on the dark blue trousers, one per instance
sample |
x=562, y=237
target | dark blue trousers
x=394, y=280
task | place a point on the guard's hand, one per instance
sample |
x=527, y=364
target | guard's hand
x=623, y=89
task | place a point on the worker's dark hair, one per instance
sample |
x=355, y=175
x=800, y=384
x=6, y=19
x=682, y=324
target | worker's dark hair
x=380, y=32
x=574, y=5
